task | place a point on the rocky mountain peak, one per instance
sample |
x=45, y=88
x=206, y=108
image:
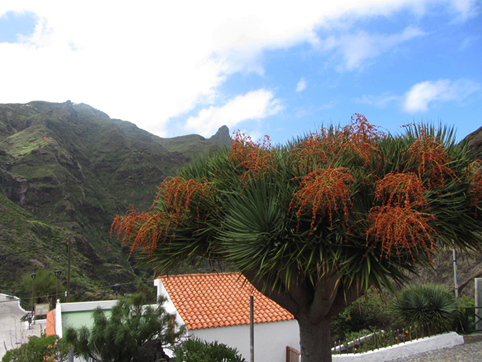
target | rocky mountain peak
x=222, y=136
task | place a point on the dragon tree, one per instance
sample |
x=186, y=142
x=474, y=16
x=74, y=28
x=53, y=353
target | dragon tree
x=314, y=223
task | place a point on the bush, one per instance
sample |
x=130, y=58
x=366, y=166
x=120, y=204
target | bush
x=431, y=307
x=369, y=312
x=122, y=336
x=39, y=349
x=195, y=350
x=464, y=321
x=45, y=285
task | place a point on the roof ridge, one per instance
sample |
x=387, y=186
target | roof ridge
x=196, y=275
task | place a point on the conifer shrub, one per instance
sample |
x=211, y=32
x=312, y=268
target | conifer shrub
x=122, y=336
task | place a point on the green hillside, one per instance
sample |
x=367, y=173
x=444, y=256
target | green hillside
x=66, y=170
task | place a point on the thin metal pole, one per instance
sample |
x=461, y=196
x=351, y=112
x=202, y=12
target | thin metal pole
x=251, y=327
x=456, y=286
x=68, y=275
x=33, y=275
x=33, y=307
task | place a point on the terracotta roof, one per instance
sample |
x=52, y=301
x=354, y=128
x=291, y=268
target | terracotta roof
x=219, y=300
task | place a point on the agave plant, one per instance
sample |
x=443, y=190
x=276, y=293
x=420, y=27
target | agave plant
x=430, y=307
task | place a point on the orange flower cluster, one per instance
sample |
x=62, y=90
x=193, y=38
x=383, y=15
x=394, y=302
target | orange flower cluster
x=252, y=158
x=185, y=201
x=474, y=175
x=129, y=223
x=400, y=230
x=324, y=192
x=363, y=138
x=325, y=147
x=400, y=224
x=401, y=189
x=178, y=195
x=427, y=158
x=143, y=229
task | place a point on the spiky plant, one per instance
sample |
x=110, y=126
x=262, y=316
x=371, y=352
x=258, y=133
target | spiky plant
x=428, y=306
x=314, y=223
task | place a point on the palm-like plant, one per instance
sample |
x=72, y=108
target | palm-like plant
x=314, y=223
x=430, y=307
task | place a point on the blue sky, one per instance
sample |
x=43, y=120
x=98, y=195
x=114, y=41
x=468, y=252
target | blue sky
x=263, y=67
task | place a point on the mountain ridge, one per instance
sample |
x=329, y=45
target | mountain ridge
x=73, y=168
x=67, y=169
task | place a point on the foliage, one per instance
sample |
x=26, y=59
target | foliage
x=67, y=169
x=370, y=312
x=39, y=349
x=194, y=350
x=314, y=223
x=121, y=336
x=44, y=286
x=384, y=200
x=429, y=306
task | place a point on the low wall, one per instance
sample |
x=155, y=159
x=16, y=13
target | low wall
x=406, y=349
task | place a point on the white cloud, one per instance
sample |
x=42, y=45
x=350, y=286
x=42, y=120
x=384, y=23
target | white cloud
x=149, y=61
x=254, y=105
x=466, y=9
x=328, y=105
x=356, y=48
x=301, y=86
x=422, y=94
x=379, y=101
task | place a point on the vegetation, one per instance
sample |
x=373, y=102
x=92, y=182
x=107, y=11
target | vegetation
x=195, y=350
x=430, y=307
x=371, y=312
x=39, y=349
x=123, y=335
x=315, y=223
x=44, y=287
x=65, y=171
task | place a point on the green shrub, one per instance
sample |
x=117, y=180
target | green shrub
x=195, y=350
x=39, y=349
x=464, y=321
x=431, y=307
x=122, y=336
x=45, y=284
x=369, y=312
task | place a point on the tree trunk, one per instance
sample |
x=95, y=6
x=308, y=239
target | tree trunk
x=315, y=339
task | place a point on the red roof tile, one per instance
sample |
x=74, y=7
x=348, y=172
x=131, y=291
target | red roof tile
x=219, y=300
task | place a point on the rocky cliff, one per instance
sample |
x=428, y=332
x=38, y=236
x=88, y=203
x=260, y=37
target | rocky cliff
x=65, y=171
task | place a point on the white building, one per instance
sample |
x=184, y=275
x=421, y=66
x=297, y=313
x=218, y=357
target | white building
x=216, y=307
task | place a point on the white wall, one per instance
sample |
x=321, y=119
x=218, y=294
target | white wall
x=270, y=339
x=63, y=308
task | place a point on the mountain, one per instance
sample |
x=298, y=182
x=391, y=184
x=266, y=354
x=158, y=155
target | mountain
x=66, y=170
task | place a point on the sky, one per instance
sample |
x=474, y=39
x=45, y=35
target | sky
x=277, y=68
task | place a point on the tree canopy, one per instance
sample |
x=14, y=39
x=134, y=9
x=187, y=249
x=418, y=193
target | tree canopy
x=317, y=221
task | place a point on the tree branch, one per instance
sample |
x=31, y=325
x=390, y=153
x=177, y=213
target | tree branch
x=345, y=296
x=283, y=298
x=326, y=291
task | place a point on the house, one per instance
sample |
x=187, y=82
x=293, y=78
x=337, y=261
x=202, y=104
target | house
x=74, y=315
x=216, y=307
